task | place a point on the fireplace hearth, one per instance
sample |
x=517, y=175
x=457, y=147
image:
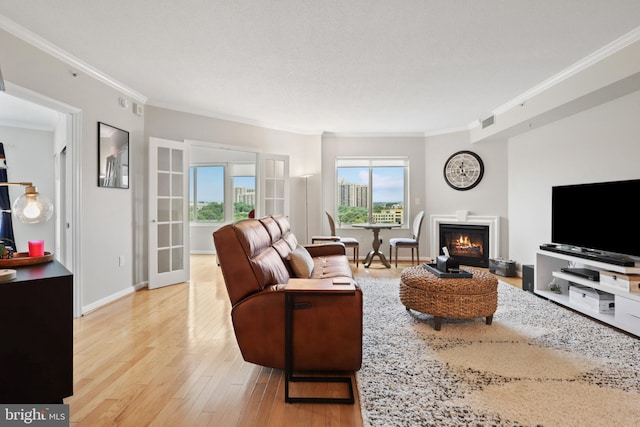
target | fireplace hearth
x=469, y=244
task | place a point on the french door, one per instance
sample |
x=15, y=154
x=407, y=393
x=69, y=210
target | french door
x=168, y=212
x=274, y=183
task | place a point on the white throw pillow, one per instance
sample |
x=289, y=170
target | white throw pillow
x=301, y=262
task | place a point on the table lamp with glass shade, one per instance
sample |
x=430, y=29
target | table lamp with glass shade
x=31, y=207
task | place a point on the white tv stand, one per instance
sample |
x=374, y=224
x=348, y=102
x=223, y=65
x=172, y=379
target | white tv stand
x=627, y=305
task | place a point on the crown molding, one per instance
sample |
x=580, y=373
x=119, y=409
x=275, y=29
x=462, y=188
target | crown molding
x=64, y=56
x=615, y=46
x=449, y=131
x=235, y=119
x=373, y=134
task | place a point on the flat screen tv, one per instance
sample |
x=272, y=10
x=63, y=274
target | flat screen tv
x=598, y=216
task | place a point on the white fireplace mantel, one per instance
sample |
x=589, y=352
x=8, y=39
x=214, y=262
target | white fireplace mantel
x=463, y=218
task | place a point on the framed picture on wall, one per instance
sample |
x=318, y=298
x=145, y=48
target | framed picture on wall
x=113, y=157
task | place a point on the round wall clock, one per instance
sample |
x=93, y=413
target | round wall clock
x=463, y=170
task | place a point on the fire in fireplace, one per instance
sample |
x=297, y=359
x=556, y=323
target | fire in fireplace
x=469, y=244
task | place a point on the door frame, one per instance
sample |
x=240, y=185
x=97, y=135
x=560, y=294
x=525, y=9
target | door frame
x=73, y=190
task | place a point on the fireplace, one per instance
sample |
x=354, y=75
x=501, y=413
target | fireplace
x=491, y=248
x=469, y=244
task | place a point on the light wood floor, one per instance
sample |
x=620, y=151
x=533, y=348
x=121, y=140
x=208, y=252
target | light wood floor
x=168, y=357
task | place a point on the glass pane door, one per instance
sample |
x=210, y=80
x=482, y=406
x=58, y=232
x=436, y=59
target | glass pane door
x=168, y=234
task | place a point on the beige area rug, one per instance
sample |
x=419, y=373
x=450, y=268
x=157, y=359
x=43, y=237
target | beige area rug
x=538, y=364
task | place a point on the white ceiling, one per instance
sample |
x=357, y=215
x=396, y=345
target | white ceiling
x=343, y=66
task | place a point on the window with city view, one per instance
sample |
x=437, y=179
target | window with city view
x=371, y=190
x=208, y=198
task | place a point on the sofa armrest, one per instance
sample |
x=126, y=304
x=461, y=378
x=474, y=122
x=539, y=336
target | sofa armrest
x=315, y=239
x=327, y=336
x=337, y=285
x=326, y=249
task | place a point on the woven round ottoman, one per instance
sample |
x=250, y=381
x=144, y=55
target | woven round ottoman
x=459, y=298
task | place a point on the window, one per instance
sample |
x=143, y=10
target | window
x=371, y=190
x=206, y=193
x=221, y=193
x=244, y=196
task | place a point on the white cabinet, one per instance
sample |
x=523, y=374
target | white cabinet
x=626, y=314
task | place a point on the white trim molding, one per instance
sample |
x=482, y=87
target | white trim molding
x=463, y=218
x=64, y=56
x=583, y=64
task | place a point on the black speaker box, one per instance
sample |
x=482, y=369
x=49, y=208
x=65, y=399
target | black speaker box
x=527, y=278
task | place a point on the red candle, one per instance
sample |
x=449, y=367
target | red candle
x=36, y=248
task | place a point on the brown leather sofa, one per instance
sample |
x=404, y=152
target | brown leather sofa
x=254, y=255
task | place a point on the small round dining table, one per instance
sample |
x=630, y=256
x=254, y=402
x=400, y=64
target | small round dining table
x=375, y=251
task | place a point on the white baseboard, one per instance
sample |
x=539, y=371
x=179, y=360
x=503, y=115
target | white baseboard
x=111, y=298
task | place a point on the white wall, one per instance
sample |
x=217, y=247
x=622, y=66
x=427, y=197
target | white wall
x=200, y=241
x=108, y=217
x=487, y=198
x=303, y=152
x=600, y=144
x=428, y=189
x=29, y=156
x=411, y=146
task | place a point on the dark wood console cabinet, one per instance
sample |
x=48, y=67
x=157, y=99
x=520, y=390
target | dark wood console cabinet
x=36, y=335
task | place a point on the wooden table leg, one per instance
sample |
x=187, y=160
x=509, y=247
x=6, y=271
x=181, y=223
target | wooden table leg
x=376, y=251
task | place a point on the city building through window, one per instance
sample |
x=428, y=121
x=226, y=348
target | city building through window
x=371, y=190
x=221, y=193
